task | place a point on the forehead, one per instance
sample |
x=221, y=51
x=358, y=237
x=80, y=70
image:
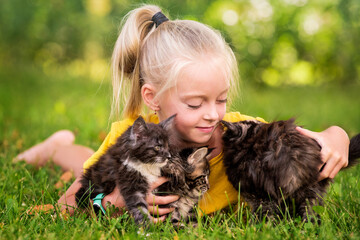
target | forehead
x=202, y=79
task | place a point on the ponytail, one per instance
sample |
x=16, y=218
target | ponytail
x=125, y=61
x=144, y=54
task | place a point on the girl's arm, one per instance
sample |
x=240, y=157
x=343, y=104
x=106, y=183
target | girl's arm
x=68, y=202
x=334, y=143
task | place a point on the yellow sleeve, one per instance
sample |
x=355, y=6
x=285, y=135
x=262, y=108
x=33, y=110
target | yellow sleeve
x=117, y=128
x=237, y=116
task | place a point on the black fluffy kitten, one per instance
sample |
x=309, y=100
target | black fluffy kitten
x=196, y=169
x=132, y=164
x=275, y=167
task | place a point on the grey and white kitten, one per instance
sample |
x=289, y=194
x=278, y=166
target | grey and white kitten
x=140, y=155
x=132, y=164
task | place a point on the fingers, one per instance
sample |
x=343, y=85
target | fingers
x=156, y=211
x=328, y=165
x=115, y=198
x=334, y=144
x=158, y=182
x=153, y=200
x=157, y=220
x=334, y=163
x=325, y=157
x=335, y=171
x=311, y=134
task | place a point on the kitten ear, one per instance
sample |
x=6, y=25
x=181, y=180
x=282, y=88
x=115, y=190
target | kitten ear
x=168, y=123
x=137, y=128
x=198, y=155
x=228, y=125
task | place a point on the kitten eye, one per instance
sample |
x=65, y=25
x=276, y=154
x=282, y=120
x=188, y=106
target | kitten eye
x=157, y=148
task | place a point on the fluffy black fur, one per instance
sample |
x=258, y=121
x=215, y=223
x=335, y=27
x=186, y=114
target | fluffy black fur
x=275, y=167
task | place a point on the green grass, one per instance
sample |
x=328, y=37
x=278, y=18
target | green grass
x=33, y=105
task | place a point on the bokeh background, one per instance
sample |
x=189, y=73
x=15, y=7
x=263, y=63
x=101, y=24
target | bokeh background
x=297, y=58
x=294, y=42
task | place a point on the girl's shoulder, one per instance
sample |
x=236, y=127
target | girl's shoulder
x=118, y=127
x=237, y=116
x=121, y=126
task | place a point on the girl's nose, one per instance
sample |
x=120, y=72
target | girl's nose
x=212, y=113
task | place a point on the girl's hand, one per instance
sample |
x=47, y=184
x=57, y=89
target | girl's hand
x=67, y=202
x=116, y=199
x=154, y=202
x=334, y=143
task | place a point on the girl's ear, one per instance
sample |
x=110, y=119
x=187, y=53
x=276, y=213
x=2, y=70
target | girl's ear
x=148, y=93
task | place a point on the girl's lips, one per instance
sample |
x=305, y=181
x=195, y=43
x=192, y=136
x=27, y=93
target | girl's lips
x=205, y=129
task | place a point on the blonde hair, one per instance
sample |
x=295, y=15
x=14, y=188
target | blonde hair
x=146, y=54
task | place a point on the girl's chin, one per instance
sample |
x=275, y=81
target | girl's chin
x=199, y=142
x=196, y=140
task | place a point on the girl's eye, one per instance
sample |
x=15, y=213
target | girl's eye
x=194, y=106
x=222, y=101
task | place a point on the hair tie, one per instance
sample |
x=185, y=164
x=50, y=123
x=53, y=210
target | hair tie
x=159, y=18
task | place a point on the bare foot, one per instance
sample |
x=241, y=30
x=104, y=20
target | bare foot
x=39, y=154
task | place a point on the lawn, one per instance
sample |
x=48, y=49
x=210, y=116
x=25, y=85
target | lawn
x=34, y=104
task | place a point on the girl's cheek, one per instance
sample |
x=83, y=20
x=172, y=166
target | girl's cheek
x=222, y=111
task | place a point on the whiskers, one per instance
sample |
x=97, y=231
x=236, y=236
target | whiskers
x=205, y=199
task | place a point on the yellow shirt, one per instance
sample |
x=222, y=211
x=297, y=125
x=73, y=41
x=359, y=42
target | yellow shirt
x=221, y=192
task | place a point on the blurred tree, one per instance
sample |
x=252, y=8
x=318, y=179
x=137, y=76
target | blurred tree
x=291, y=41
x=277, y=42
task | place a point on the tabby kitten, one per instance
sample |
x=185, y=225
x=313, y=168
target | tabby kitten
x=132, y=164
x=196, y=169
x=275, y=167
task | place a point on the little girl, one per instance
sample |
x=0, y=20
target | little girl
x=177, y=67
